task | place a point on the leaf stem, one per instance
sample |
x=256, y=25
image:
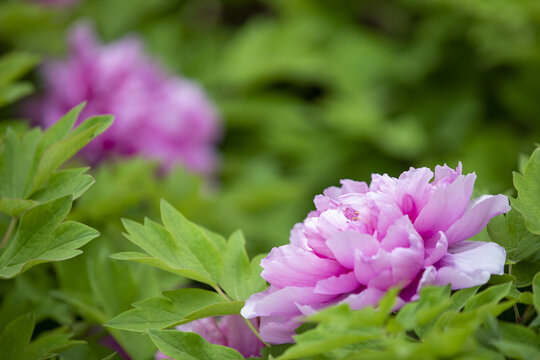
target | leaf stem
x=220, y=292
x=248, y=323
x=9, y=230
x=526, y=314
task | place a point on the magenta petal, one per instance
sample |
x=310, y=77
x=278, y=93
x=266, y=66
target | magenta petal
x=344, y=244
x=477, y=216
x=470, y=263
x=337, y=284
x=281, y=302
x=446, y=205
x=290, y=265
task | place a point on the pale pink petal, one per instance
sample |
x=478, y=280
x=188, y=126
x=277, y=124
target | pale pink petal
x=435, y=248
x=290, y=265
x=446, y=205
x=344, y=245
x=470, y=263
x=368, y=297
x=337, y=284
x=206, y=328
x=477, y=216
x=281, y=302
x=278, y=330
x=239, y=336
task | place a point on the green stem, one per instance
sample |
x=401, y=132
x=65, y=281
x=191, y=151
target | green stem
x=526, y=314
x=248, y=323
x=220, y=292
x=9, y=230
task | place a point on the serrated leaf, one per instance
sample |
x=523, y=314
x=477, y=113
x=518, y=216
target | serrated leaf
x=180, y=246
x=14, y=207
x=240, y=279
x=16, y=336
x=190, y=346
x=65, y=182
x=47, y=345
x=60, y=129
x=60, y=151
x=528, y=187
x=491, y=296
x=160, y=264
x=16, y=159
x=510, y=232
x=42, y=236
x=204, y=245
x=174, y=308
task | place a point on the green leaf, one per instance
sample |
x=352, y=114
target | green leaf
x=510, y=232
x=59, y=130
x=60, y=151
x=536, y=292
x=16, y=337
x=204, y=245
x=47, y=345
x=180, y=246
x=65, y=182
x=174, y=308
x=518, y=342
x=42, y=237
x=16, y=158
x=12, y=67
x=190, y=346
x=528, y=187
x=490, y=296
x=15, y=65
x=240, y=279
x=14, y=207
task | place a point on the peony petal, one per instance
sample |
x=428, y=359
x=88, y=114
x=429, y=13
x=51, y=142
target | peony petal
x=343, y=246
x=351, y=186
x=477, y=216
x=290, y=265
x=412, y=190
x=318, y=229
x=239, y=335
x=470, y=263
x=435, y=248
x=445, y=206
x=368, y=297
x=281, y=302
x=206, y=328
x=337, y=284
x=278, y=330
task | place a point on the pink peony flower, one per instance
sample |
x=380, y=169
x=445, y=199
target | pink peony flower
x=157, y=116
x=363, y=240
x=229, y=331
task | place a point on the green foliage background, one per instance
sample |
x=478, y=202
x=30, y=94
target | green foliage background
x=309, y=92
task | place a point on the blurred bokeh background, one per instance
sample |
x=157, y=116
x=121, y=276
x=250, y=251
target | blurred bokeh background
x=308, y=92
x=311, y=92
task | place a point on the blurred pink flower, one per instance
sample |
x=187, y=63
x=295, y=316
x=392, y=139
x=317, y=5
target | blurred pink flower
x=229, y=331
x=157, y=116
x=363, y=240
